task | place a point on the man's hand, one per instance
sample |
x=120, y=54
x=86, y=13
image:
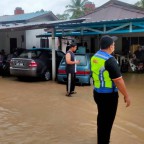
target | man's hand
x=77, y=61
x=127, y=101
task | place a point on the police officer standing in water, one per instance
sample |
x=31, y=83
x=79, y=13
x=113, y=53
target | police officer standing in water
x=71, y=68
x=107, y=81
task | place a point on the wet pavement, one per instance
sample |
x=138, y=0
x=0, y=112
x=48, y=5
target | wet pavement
x=40, y=113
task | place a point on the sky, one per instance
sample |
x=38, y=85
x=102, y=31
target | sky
x=56, y=6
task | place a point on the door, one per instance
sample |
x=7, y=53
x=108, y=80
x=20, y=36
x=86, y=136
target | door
x=13, y=44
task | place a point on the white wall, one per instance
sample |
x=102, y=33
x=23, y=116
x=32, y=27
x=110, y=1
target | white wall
x=31, y=39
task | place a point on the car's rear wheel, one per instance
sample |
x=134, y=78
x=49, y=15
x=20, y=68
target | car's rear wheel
x=47, y=75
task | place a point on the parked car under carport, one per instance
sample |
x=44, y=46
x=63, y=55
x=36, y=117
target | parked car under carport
x=83, y=74
x=35, y=62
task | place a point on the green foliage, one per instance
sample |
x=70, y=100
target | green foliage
x=76, y=8
x=140, y=3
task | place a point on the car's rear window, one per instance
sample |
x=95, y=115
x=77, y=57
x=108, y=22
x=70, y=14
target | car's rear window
x=30, y=54
x=82, y=58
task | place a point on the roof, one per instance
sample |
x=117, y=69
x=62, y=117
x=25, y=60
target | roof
x=39, y=25
x=115, y=10
x=20, y=18
x=121, y=18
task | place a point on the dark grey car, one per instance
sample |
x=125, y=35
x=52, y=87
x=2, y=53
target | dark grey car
x=36, y=62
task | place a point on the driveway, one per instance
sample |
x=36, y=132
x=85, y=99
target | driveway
x=40, y=113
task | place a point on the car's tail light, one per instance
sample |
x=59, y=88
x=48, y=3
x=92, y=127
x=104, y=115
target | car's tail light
x=86, y=72
x=61, y=71
x=32, y=64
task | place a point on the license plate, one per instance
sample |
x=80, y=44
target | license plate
x=19, y=64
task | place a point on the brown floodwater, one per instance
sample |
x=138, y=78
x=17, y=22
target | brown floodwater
x=36, y=112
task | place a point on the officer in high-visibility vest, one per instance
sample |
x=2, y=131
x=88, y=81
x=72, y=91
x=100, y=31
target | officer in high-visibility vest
x=107, y=81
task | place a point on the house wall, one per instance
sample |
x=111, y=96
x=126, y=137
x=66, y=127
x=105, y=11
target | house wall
x=2, y=40
x=28, y=41
x=5, y=40
x=31, y=39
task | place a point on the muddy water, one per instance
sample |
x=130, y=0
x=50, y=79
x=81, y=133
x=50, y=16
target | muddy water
x=40, y=113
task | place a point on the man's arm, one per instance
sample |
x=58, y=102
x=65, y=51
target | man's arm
x=115, y=75
x=119, y=82
x=68, y=60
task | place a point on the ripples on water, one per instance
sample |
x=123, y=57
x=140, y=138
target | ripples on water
x=44, y=115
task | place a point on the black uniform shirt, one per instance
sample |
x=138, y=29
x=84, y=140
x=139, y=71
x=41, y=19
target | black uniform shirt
x=111, y=65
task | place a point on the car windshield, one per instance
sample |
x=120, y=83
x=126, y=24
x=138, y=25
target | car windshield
x=82, y=58
x=30, y=54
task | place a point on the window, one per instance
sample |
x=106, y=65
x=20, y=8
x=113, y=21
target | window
x=30, y=54
x=82, y=58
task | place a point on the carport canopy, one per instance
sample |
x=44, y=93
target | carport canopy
x=123, y=26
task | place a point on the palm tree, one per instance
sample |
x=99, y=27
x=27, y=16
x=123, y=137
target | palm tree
x=140, y=3
x=76, y=7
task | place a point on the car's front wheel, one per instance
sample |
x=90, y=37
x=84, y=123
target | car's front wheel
x=47, y=75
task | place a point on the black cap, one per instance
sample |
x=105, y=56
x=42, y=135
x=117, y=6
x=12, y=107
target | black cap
x=106, y=41
x=73, y=43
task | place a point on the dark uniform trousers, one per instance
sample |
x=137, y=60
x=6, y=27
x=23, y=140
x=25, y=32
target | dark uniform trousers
x=70, y=82
x=107, y=106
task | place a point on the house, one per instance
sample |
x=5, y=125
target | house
x=115, y=10
x=112, y=18
x=117, y=18
x=11, y=40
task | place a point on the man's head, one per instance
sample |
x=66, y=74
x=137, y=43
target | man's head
x=73, y=45
x=107, y=42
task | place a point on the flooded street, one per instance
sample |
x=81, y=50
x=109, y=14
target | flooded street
x=40, y=113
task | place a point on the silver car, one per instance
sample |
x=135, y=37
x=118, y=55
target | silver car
x=36, y=62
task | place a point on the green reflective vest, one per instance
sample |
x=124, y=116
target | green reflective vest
x=102, y=81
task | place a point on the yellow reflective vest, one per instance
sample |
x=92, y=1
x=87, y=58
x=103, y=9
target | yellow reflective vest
x=102, y=82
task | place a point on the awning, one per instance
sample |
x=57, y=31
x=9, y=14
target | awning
x=101, y=27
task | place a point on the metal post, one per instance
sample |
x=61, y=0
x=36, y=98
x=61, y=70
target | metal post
x=130, y=27
x=53, y=55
